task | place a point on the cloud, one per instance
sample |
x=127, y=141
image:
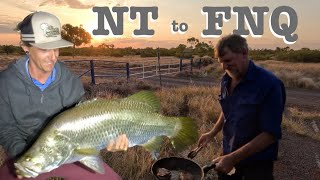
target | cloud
x=23, y=5
x=5, y=29
x=141, y=43
x=74, y=4
x=7, y=24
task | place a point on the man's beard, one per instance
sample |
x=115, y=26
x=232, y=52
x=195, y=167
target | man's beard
x=234, y=74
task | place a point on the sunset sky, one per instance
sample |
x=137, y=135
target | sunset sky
x=78, y=12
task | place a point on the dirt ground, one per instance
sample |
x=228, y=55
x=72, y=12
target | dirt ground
x=298, y=158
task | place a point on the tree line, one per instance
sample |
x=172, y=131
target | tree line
x=193, y=47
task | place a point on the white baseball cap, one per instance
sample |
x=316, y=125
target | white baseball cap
x=42, y=30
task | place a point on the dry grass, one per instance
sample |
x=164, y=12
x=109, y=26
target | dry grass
x=299, y=122
x=116, y=88
x=126, y=59
x=132, y=164
x=298, y=75
x=301, y=75
x=200, y=103
x=6, y=60
x=136, y=162
x=213, y=70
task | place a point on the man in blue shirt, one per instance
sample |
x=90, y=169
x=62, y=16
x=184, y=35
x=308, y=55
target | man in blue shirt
x=252, y=101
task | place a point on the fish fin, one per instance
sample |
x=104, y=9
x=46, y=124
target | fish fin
x=147, y=97
x=86, y=102
x=153, y=146
x=186, y=133
x=87, y=151
x=94, y=163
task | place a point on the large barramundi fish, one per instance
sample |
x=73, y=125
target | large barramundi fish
x=79, y=133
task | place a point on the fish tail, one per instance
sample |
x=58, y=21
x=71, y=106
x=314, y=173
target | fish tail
x=186, y=133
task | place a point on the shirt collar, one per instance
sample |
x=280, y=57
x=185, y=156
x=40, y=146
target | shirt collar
x=251, y=71
x=51, y=78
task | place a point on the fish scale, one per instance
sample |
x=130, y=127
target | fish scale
x=77, y=134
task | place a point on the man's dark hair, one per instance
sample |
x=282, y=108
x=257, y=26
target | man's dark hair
x=234, y=42
x=24, y=27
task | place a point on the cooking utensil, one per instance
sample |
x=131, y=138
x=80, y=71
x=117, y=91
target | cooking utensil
x=182, y=164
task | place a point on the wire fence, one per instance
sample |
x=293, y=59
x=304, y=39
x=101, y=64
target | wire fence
x=140, y=70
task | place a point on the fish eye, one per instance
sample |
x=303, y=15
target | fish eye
x=28, y=159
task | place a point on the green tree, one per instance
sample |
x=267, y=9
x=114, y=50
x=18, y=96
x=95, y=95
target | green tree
x=106, y=48
x=129, y=51
x=192, y=41
x=8, y=49
x=179, y=50
x=211, y=44
x=76, y=35
x=102, y=46
x=203, y=49
x=148, y=52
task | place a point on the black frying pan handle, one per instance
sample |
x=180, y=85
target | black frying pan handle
x=208, y=167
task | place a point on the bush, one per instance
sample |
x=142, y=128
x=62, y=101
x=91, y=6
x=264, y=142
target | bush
x=303, y=55
x=116, y=53
x=261, y=55
x=148, y=52
x=65, y=53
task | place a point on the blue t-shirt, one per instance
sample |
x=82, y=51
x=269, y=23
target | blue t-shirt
x=41, y=86
x=255, y=106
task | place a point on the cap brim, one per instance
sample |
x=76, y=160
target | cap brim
x=53, y=45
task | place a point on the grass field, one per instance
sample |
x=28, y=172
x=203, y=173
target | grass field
x=199, y=103
x=299, y=75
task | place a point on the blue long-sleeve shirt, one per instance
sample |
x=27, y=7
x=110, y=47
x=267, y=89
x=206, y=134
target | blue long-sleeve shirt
x=255, y=106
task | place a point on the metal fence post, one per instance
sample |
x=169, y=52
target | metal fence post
x=159, y=66
x=180, y=65
x=143, y=70
x=93, y=80
x=128, y=71
x=191, y=63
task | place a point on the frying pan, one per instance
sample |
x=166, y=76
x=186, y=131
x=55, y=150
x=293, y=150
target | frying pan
x=182, y=164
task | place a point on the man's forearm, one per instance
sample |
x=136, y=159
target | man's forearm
x=11, y=140
x=218, y=126
x=257, y=144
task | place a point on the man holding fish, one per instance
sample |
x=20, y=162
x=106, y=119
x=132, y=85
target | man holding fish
x=47, y=137
x=33, y=90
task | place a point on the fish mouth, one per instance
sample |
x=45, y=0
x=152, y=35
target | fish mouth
x=26, y=171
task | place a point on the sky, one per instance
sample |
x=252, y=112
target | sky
x=79, y=12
